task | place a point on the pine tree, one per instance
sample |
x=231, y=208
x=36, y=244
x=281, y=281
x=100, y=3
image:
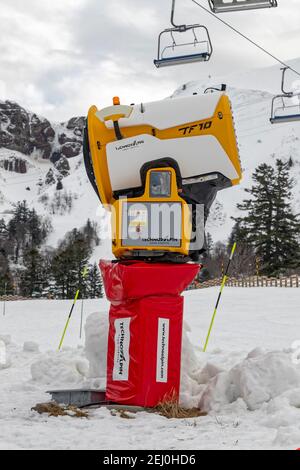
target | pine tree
x=17, y=228
x=270, y=227
x=68, y=263
x=60, y=273
x=32, y=276
x=59, y=185
x=3, y=228
x=256, y=226
x=5, y=245
x=6, y=279
x=95, y=285
x=26, y=229
x=90, y=232
x=209, y=245
x=286, y=225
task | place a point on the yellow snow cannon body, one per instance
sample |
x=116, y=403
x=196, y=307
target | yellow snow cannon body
x=153, y=165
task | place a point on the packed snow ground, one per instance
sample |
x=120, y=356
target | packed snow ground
x=253, y=399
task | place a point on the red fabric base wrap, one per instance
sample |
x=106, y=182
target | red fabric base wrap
x=137, y=279
x=145, y=330
x=144, y=351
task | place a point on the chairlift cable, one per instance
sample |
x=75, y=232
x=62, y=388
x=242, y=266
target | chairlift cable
x=247, y=38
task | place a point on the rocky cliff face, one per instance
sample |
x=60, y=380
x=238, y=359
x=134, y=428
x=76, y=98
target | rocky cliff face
x=27, y=133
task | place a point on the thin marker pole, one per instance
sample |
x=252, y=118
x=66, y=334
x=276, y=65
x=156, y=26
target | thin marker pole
x=68, y=320
x=81, y=318
x=4, y=302
x=219, y=296
x=84, y=273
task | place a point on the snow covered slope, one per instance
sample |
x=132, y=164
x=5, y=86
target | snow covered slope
x=249, y=380
x=259, y=142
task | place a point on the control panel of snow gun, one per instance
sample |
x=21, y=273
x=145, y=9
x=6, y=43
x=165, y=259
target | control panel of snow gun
x=158, y=167
x=158, y=223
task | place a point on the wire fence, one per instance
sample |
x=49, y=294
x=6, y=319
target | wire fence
x=13, y=298
x=263, y=281
x=251, y=281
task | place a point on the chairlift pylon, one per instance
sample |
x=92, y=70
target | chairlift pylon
x=286, y=106
x=166, y=55
x=225, y=6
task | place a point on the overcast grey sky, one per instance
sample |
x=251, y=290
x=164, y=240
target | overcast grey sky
x=60, y=56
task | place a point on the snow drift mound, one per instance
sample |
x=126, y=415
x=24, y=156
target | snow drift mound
x=258, y=379
x=96, y=337
x=5, y=361
x=193, y=376
x=60, y=369
x=6, y=339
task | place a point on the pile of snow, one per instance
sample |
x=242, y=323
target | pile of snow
x=68, y=368
x=256, y=380
x=193, y=374
x=96, y=337
x=60, y=369
x=5, y=361
x=6, y=339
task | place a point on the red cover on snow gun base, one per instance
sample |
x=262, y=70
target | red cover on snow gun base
x=144, y=350
x=136, y=279
x=145, y=330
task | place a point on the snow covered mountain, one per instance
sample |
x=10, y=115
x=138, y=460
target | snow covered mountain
x=36, y=154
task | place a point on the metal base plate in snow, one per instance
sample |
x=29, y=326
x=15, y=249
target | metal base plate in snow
x=88, y=398
x=79, y=398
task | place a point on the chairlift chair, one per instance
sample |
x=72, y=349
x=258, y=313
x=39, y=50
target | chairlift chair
x=286, y=106
x=285, y=112
x=224, y=6
x=167, y=51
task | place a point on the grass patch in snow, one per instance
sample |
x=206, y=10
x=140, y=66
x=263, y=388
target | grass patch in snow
x=170, y=408
x=53, y=409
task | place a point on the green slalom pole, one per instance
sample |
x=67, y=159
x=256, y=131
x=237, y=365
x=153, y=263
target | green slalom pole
x=84, y=273
x=225, y=277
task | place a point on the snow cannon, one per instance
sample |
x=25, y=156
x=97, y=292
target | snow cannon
x=158, y=167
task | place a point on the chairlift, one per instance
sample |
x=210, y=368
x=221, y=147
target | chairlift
x=225, y=6
x=173, y=51
x=286, y=106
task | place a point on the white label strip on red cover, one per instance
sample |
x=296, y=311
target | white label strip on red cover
x=162, y=350
x=122, y=343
